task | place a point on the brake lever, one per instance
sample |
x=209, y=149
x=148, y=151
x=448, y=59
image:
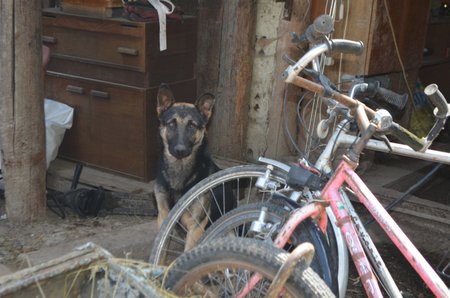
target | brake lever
x=387, y=142
x=321, y=79
x=288, y=59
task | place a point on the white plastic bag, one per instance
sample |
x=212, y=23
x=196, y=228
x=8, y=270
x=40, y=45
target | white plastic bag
x=58, y=118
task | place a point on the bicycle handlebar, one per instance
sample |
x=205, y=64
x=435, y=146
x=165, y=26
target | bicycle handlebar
x=397, y=100
x=341, y=45
x=317, y=32
x=438, y=100
x=347, y=46
x=363, y=113
x=407, y=137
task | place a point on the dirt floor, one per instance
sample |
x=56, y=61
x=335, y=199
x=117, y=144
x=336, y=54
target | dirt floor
x=20, y=244
x=17, y=241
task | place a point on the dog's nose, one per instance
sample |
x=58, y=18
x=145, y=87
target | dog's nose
x=181, y=151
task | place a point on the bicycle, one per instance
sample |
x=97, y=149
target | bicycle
x=333, y=195
x=223, y=267
x=169, y=245
x=272, y=180
x=345, y=175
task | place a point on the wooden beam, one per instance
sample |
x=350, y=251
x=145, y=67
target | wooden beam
x=280, y=144
x=22, y=134
x=227, y=28
x=208, y=45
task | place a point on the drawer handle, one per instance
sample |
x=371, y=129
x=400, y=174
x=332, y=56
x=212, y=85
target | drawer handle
x=128, y=51
x=49, y=39
x=100, y=94
x=75, y=89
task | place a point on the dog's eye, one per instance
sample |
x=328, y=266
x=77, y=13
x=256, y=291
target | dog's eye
x=172, y=123
x=192, y=124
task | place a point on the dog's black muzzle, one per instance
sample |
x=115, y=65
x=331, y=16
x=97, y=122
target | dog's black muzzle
x=180, y=151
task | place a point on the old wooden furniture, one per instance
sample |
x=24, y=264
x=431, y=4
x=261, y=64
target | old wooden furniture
x=109, y=70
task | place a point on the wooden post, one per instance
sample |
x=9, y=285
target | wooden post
x=22, y=135
x=208, y=42
x=229, y=72
x=280, y=145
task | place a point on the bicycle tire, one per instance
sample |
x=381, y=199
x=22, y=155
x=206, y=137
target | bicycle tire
x=232, y=259
x=170, y=239
x=237, y=223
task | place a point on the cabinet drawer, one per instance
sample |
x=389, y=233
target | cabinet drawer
x=169, y=68
x=119, y=46
x=117, y=43
x=110, y=125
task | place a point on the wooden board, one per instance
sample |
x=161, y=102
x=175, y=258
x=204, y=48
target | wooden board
x=225, y=51
x=94, y=8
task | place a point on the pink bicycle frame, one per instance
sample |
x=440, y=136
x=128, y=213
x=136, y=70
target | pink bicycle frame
x=330, y=194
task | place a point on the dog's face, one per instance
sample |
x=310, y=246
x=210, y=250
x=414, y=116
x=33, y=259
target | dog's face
x=182, y=125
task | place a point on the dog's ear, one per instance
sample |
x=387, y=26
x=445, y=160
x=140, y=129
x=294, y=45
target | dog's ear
x=205, y=104
x=165, y=98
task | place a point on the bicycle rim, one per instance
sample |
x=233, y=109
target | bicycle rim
x=221, y=268
x=238, y=222
x=170, y=240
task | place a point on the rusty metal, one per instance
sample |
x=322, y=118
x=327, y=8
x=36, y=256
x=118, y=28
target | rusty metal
x=75, y=260
x=342, y=98
x=303, y=251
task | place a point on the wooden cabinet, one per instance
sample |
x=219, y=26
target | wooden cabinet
x=118, y=50
x=109, y=71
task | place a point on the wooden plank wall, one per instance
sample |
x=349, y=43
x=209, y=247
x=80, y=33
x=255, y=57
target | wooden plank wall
x=225, y=60
x=280, y=145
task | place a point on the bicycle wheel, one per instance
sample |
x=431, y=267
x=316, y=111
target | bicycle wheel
x=221, y=268
x=238, y=223
x=238, y=182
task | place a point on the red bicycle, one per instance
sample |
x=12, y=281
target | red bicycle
x=225, y=257
x=370, y=123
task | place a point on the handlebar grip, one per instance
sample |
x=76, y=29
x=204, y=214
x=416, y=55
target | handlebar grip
x=374, y=90
x=347, y=46
x=442, y=113
x=395, y=99
x=407, y=137
x=438, y=100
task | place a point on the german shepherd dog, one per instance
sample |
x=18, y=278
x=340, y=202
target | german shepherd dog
x=185, y=159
